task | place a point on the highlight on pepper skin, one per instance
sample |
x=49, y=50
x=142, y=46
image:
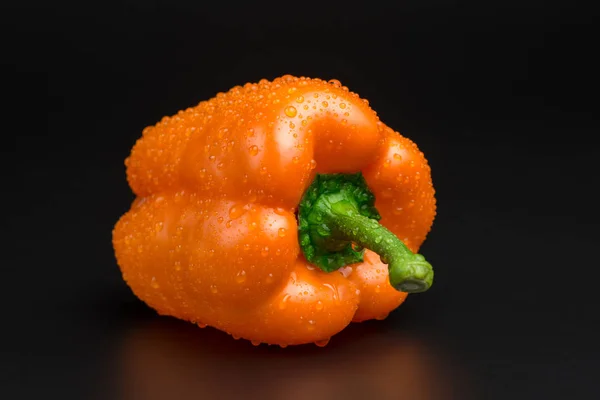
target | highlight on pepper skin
x=278, y=212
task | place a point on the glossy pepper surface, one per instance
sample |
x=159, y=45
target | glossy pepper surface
x=278, y=212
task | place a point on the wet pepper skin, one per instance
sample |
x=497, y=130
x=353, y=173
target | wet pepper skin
x=212, y=236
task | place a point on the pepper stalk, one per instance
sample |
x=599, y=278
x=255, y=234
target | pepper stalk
x=337, y=220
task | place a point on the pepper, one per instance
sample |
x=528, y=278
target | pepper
x=278, y=212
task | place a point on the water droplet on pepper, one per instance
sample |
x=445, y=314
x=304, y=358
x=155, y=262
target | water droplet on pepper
x=265, y=251
x=240, y=277
x=290, y=111
x=270, y=278
x=283, y=303
x=236, y=212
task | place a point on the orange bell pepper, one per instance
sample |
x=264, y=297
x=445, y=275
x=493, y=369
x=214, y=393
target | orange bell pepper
x=278, y=212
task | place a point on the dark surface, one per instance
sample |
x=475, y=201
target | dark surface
x=500, y=97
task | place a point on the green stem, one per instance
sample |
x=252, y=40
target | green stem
x=409, y=272
x=337, y=211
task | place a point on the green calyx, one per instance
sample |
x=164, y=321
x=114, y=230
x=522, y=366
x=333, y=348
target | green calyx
x=337, y=220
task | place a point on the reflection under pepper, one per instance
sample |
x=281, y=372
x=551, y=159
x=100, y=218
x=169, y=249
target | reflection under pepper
x=164, y=358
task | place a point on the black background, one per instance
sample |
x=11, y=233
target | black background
x=500, y=97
